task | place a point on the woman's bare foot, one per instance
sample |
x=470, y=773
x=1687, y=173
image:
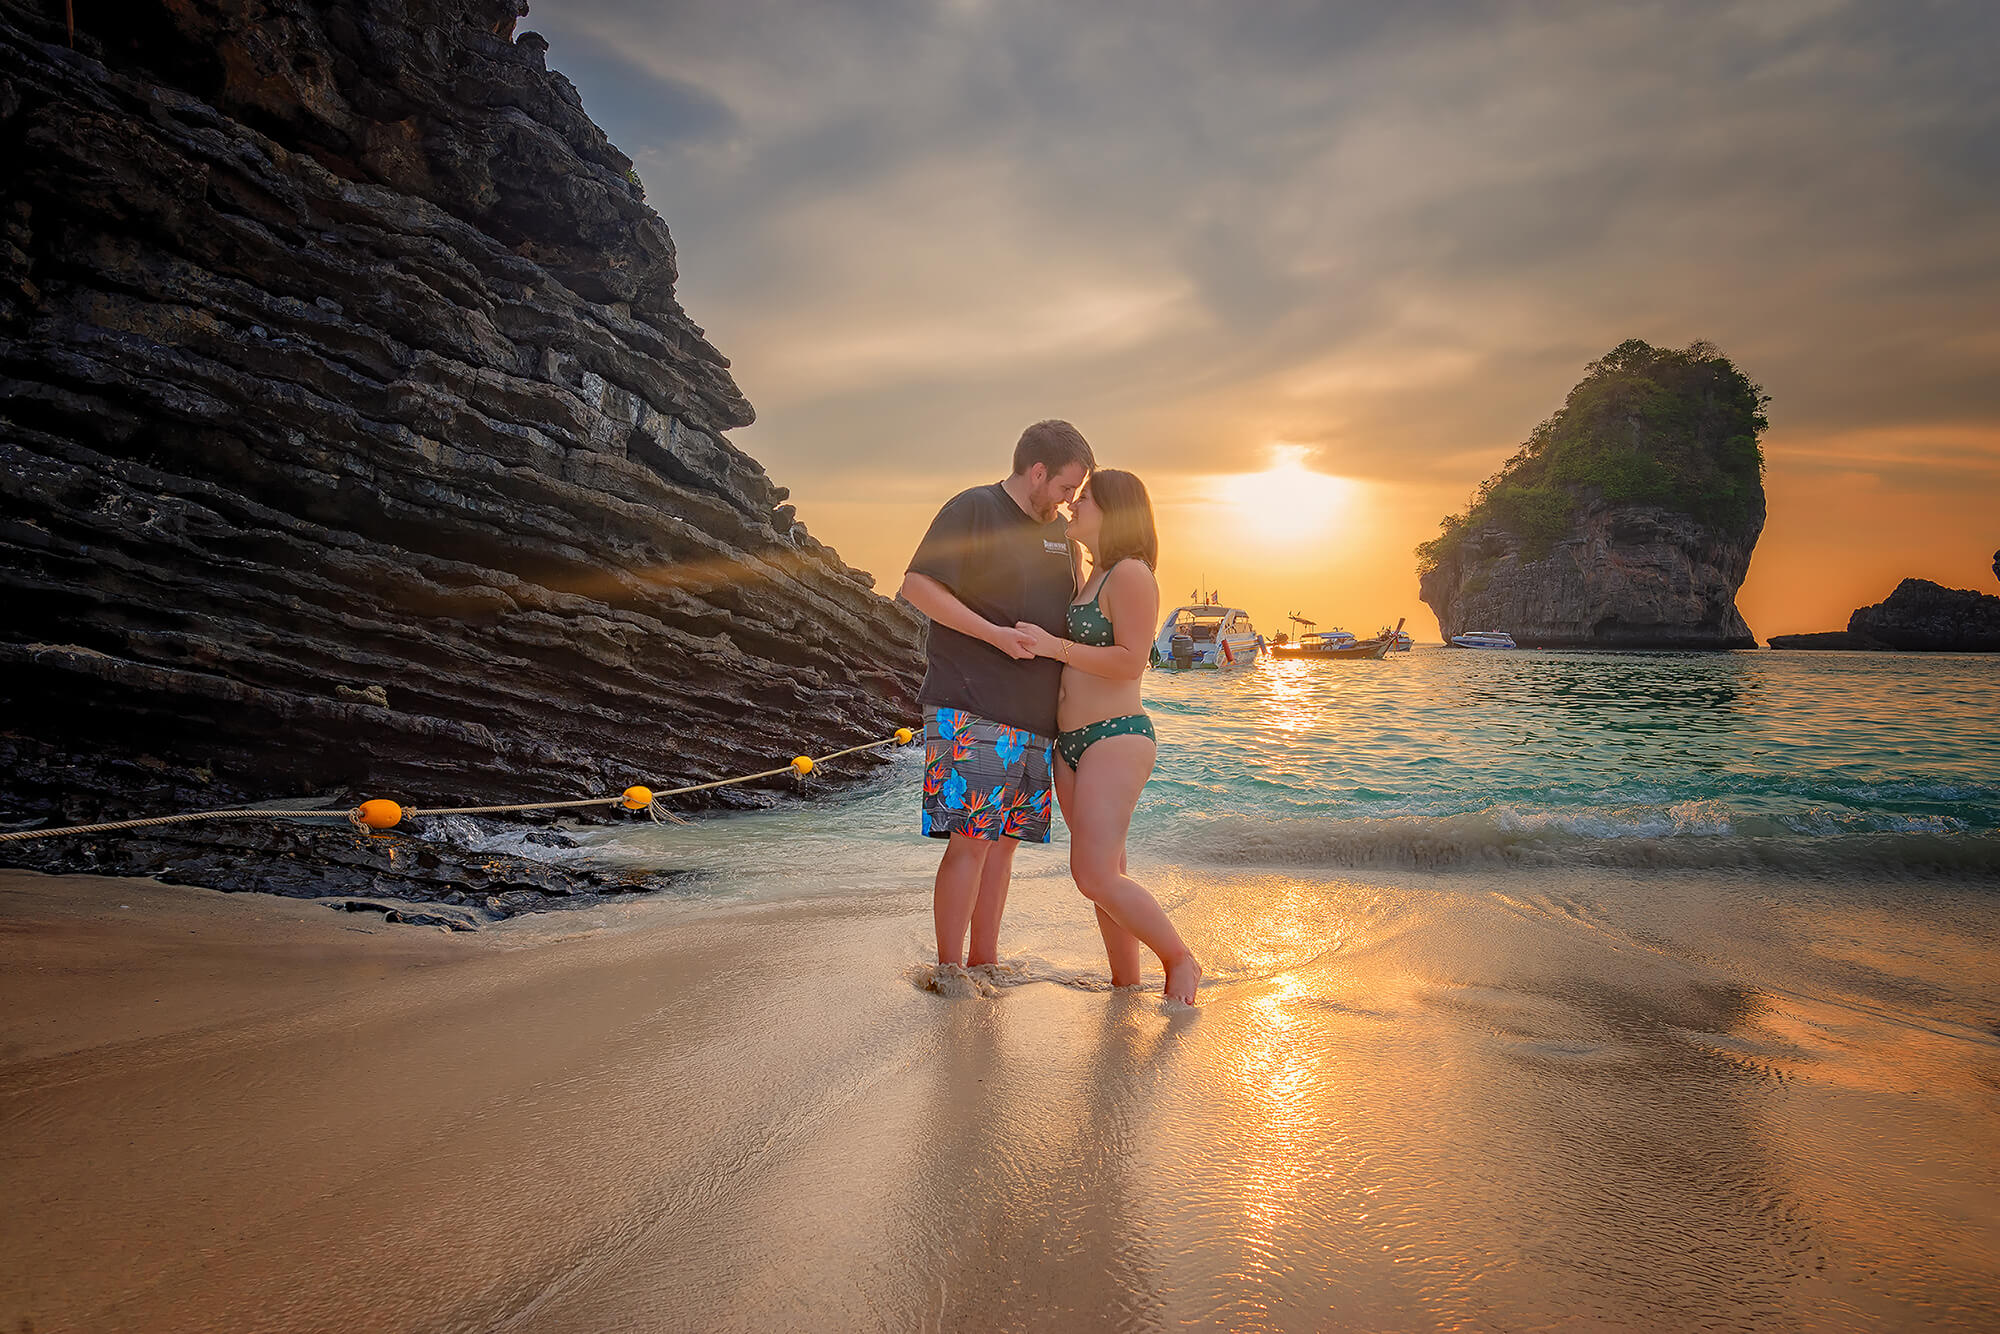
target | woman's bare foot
x=1183, y=976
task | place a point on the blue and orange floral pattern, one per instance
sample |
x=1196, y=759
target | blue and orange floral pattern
x=985, y=779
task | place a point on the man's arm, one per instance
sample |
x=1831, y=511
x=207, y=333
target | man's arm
x=939, y=603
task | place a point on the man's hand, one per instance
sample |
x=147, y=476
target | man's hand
x=1041, y=644
x=1015, y=643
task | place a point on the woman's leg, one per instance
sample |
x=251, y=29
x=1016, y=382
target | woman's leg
x=1105, y=791
x=1121, y=947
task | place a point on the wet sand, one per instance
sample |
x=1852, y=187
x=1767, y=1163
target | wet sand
x=1449, y=1102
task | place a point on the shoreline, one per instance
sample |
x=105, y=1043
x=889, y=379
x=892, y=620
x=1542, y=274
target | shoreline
x=1404, y=1103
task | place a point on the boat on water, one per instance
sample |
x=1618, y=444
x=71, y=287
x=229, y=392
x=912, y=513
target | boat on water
x=1484, y=639
x=1402, y=641
x=1207, y=636
x=1339, y=644
x=1335, y=644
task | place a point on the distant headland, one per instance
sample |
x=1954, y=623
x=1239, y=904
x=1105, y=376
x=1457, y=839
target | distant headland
x=1626, y=520
x=1919, y=617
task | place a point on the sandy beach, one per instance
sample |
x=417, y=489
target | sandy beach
x=1453, y=1103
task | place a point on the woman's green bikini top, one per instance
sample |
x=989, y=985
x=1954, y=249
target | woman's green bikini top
x=1087, y=624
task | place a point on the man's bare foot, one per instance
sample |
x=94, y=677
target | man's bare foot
x=1183, y=977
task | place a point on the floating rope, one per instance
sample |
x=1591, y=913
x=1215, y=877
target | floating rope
x=380, y=813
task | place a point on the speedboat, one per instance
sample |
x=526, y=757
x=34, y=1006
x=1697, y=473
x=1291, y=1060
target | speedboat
x=1484, y=639
x=1207, y=636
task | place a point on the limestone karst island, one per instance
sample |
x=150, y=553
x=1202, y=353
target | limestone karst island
x=1038, y=826
x=1626, y=520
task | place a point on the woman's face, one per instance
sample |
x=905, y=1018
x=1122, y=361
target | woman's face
x=1086, y=521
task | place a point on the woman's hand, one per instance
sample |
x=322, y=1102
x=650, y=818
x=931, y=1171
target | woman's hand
x=1041, y=641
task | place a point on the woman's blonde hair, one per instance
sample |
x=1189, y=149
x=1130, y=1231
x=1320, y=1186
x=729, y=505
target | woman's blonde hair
x=1128, y=529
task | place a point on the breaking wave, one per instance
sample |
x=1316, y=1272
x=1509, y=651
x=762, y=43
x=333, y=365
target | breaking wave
x=1693, y=835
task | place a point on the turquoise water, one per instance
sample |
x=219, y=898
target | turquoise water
x=1818, y=762
x=1444, y=753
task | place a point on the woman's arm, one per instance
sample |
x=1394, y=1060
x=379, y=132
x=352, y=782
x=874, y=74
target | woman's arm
x=1131, y=600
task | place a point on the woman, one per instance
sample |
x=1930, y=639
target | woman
x=1105, y=746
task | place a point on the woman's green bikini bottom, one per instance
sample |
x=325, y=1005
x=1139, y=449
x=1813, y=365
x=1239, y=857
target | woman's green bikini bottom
x=1071, y=745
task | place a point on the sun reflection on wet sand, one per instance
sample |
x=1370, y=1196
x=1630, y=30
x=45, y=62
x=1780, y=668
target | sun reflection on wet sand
x=1405, y=1103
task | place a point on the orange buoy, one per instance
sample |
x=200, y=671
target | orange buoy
x=638, y=798
x=381, y=814
x=802, y=766
x=904, y=736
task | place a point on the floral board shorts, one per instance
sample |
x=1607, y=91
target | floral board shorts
x=985, y=779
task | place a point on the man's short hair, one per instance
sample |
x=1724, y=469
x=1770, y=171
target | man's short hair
x=1053, y=444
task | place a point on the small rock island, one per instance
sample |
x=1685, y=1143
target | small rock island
x=1626, y=520
x=1919, y=617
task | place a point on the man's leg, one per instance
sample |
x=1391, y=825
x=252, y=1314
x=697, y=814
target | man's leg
x=957, y=889
x=992, y=901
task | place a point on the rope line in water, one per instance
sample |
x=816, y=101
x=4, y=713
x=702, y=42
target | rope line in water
x=383, y=814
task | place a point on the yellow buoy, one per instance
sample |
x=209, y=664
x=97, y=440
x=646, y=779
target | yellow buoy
x=381, y=814
x=904, y=736
x=802, y=766
x=638, y=798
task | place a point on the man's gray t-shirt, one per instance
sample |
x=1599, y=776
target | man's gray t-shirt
x=1004, y=565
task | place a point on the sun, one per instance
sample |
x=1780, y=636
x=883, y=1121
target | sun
x=1288, y=504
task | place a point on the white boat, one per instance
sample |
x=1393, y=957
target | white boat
x=1207, y=636
x=1399, y=640
x=1484, y=639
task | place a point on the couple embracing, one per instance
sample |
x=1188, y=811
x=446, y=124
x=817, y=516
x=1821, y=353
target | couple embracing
x=1032, y=682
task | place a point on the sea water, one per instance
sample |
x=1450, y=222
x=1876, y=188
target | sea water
x=1440, y=757
x=1542, y=991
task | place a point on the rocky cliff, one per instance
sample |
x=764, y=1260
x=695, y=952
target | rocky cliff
x=1624, y=576
x=352, y=438
x=1626, y=521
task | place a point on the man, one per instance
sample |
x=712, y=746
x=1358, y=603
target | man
x=994, y=556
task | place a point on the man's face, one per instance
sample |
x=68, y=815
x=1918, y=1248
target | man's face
x=1055, y=490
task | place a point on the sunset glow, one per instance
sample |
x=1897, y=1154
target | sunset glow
x=1288, y=505
x=1315, y=248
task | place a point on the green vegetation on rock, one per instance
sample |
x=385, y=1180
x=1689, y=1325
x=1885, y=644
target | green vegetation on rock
x=1645, y=426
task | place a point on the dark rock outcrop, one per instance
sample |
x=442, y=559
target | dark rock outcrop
x=352, y=439
x=1919, y=617
x=1924, y=617
x=1827, y=639
x=1626, y=521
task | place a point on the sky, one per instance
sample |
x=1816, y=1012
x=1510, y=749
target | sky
x=1313, y=271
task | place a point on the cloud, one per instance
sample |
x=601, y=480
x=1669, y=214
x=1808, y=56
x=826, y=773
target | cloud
x=652, y=109
x=1395, y=232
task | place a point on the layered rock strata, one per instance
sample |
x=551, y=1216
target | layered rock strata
x=1624, y=577
x=352, y=439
